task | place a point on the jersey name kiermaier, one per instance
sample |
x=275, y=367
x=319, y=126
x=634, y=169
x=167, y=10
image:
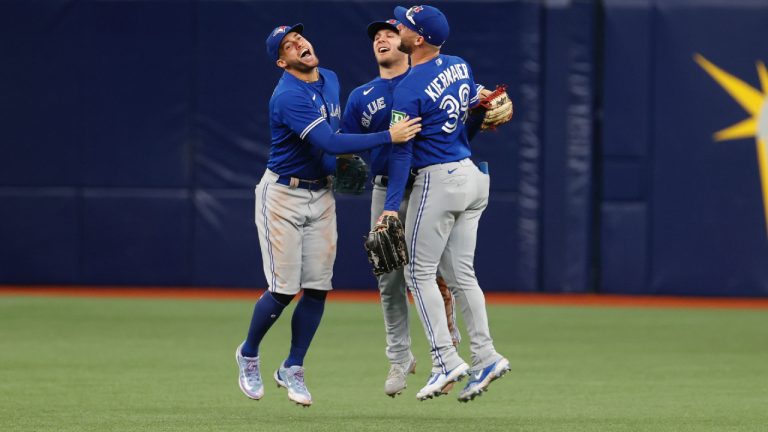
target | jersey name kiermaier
x=295, y=108
x=369, y=109
x=441, y=92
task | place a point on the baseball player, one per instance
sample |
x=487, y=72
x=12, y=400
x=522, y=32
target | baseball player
x=295, y=209
x=368, y=110
x=447, y=200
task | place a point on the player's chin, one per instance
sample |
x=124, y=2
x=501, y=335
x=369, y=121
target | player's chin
x=310, y=61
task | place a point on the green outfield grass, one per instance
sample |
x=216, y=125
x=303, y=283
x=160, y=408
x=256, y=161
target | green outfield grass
x=87, y=364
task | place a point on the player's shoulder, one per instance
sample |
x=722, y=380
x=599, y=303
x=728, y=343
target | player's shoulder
x=411, y=83
x=286, y=84
x=452, y=58
x=287, y=94
x=329, y=75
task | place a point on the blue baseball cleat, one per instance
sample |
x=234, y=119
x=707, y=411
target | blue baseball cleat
x=480, y=380
x=292, y=379
x=440, y=383
x=250, y=375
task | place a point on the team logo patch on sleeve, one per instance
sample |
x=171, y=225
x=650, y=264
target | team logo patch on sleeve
x=396, y=117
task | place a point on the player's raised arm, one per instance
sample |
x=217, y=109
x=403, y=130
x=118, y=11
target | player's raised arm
x=303, y=119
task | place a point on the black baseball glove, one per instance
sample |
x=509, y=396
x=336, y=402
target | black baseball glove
x=385, y=245
x=351, y=175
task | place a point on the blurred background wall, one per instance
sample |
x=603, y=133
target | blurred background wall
x=132, y=134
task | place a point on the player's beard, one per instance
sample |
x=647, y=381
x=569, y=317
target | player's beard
x=302, y=67
x=404, y=48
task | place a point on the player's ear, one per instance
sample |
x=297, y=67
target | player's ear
x=281, y=63
x=419, y=41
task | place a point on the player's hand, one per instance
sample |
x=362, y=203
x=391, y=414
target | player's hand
x=380, y=225
x=484, y=93
x=405, y=130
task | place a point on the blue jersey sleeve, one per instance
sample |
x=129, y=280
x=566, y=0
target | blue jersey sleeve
x=303, y=118
x=474, y=121
x=298, y=113
x=406, y=103
x=329, y=163
x=475, y=118
x=474, y=90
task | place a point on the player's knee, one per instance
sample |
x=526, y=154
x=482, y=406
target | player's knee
x=283, y=299
x=316, y=294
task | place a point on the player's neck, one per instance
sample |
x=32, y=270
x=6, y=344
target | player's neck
x=395, y=70
x=308, y=76
x=421, y=56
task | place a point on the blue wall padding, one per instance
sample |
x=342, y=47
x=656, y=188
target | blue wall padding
x=528, y=117
x=627, y=78
x=225, y=241
x=99, y=93
x=136, y=237
x=553, y=149
x=134, y=63
x=39, y=236
x=496, y=267
x=352, y=269
x=623, y=251
x=625, y=179
x=133, y=134
x=568, y=140
x=234, y=81
x=39, y=91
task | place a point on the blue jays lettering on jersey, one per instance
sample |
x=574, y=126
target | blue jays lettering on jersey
x=304, y=119
x=441, y=92
x=369, y=109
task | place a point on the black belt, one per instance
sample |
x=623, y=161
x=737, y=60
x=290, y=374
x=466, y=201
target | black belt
x=384, y=180
x=304, y=184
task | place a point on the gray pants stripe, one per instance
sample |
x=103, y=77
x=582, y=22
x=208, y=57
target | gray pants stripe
x=416, y=290
x=269, y=242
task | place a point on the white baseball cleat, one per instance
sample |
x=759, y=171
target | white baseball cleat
x=438, y=383
x=479, y=380
x=292, y=379
x=395, y=383
x=250, y=375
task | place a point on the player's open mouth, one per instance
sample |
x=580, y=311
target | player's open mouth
x=305, y=53
x=383, y=49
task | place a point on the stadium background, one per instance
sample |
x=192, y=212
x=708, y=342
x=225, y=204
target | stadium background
x=133, y=133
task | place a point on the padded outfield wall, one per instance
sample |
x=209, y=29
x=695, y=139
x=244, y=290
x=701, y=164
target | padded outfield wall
x=133, y=133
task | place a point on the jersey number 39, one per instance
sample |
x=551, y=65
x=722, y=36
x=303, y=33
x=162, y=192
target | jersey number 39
x=455, y=109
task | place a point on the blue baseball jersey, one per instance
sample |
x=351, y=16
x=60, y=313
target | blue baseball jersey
x=369, y=109
x=304, y=119
x=441, y=92
x=295, y=108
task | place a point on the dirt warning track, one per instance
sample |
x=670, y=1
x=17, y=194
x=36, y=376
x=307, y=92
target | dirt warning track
x=373, y=296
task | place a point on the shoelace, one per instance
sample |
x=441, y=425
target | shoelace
x=298, y=380
x=253, y=368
